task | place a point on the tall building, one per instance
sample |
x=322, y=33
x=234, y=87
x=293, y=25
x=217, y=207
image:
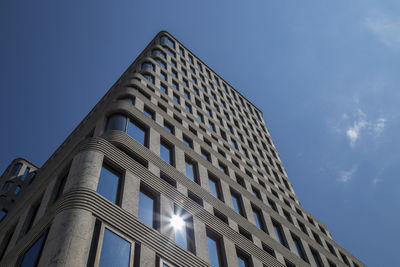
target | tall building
x=173, y=167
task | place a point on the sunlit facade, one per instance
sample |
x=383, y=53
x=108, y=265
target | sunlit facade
x=173, y=167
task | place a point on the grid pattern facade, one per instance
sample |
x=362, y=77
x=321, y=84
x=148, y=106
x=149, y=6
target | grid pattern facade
x=170, y=137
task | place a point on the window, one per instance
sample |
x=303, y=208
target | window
x=166, y=152
x=184, y=236
x=191, y=170
x=109, y=183
x=161, y=63
x=25, y=174
x=237, y=203
x=221, y=216
x=245, y=233
x=3, y=214
x=302, y=227
x=331, y=249
x=317, y=257
x=115, y=250
x=212, y=126
x=215, y=187
x=149, y=77
x=244, y=260
x=17, y=189
x=186, y=94
x=148, y=207
x=279, y=233
x=206, y=155
x=16, y=168
x=168, y=127
x=287, y=216
x=187, y=141
x=223, y=168
x=175, y=85
x=32, y=256
x=176, y=98
x=149, y=112
x=160, y=53
x=345, y=260
x=299, y=248
x=188, y=107
x=200, y=117
x=168, y=41
x=163, y=88
x=240, y=181
x=268, y=249
x=256, y=193
x=137, y=132
x=316, y=237
x=259, y=219
x=214, y=245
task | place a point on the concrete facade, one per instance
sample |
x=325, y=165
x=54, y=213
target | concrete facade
x=210, y=125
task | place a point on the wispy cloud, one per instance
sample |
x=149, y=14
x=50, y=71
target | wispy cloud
x=346, y=176
x=360, y=124
x=385, y=29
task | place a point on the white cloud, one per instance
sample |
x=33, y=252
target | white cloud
x=386, y=30
x=346, y=176
x=361, y=125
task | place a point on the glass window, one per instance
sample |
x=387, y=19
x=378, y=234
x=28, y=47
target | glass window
x=187, y=141
x=116, y=122
x=17, y=189
x=184, y=234
x=149, y=113
x=214, y=244
x=32, y=255
x=168, y=127
x=25, y=174
x=299, y=248
x=148, y=66
x=166, y=152
x=215, y=188
x=317, y=257
x=258, y=217
x=3, y=214
x=163, y=88
x=279, y=233
x=237, y=204
x=17, y=167
x=147, y=206
x=149, y=77
x=108, y=185
x=137, y=132
x=206, y=155
x=166, y=40
x=115, y=251
x=176, y=99
x=191, y=171
x=243, y=259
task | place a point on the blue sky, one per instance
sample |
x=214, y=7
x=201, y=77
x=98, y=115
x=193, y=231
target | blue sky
x=325, y=74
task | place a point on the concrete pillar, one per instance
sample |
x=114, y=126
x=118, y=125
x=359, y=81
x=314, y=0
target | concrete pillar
x=200, y=239
x=230, y=252
x=130, y=196
x=69, y=239
x=147, y=257
x=85, y=170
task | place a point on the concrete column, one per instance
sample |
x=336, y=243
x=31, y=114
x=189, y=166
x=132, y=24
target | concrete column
x=130, y=195
x=203, y=177
x=230, y=252
x=154, y=141
x=256, y=262
x=180, y=160
x=147, y=257
x=200, y=239
x=85, y=170
x=69, y=239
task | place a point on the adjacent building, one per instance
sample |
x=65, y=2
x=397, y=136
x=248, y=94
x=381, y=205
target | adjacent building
x=173, y=167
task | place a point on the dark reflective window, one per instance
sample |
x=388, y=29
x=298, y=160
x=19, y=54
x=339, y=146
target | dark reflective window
x=191, y=170
x=3, y=214
x=25, y=174
x=258, y=217
x=237, y=204
x=17, y=189
x=116, y=122
x=32, y=255
x=146, y=208
x=166, y=152
x=108, y=185
x=137, y=132
x=243, y=260
x=115, y=251
x=214, y=250
x=16, y=169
